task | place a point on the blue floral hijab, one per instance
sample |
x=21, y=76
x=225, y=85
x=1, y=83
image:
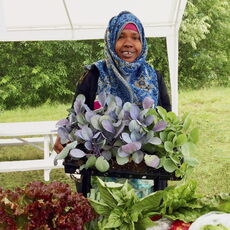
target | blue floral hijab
x=130, y=81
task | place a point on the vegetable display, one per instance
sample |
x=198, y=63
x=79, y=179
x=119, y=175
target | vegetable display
x=127, y=133
x=119, y=207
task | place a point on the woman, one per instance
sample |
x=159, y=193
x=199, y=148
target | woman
x=124, y=72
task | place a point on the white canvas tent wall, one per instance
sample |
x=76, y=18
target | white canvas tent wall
x=27, y=20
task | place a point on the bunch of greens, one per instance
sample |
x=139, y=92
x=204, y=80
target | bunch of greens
x=126, y=133
x=44, y=206
x=120, y=208
x=183, y=203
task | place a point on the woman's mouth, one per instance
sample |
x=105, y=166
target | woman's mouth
x=127, y=54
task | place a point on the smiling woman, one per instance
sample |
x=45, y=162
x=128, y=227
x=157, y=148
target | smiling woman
x=124, y=72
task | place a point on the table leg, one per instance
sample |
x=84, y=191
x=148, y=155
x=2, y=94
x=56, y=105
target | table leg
x=160, y=184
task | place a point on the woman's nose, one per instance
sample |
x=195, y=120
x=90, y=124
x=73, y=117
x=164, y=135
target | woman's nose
x=128, y=43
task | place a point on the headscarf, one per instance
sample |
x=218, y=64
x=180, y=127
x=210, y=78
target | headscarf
x=134, y=81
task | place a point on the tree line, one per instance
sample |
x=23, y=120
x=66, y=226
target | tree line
x=33, y=72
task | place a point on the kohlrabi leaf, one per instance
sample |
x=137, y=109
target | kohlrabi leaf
x=77, y=153
x=131, y=147
x=134, y=126
x=95, y=121
x=152, y=160
x=81, y=119
x=121, y=153
x=155, y=141
x=79, y=101
x=126, y=138
x=194, y=135
x=102, y=99
x=63, y=154
x=89, y=115
x=162, y=112
x=118, y=101
x=169, y=165
x=62, y=122
x=180, y=139
x=102, y=164
x=127, y=106
x=138, y=157
x=90, y=162
x=168, y=146
x=88, y=145
x=108, y=126
x=86, y=133
x=107, y=155
x=187, y=123
x=64, y=135
x=147, y=103
x=134, y=112
x=159, y=126
x=122, y=160
x=148, y=120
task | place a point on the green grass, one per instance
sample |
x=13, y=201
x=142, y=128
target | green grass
x=209, y=109
x=46, y=112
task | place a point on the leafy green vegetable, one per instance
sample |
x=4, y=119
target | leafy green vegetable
x=217, y=227
x=182, y=203
x=120, y=207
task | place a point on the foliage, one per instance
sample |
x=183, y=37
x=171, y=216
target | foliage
x=120, y=208
x=44, y=206
x=204, y=50
x=32, y=72
x=203, y=45
x=181, y=202
x=126, y=133
x=52, y=67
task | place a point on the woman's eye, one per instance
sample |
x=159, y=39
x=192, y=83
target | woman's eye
x=136, y=38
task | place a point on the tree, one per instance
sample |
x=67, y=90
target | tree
x=34, y=72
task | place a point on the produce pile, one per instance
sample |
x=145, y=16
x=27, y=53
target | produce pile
x=125, y=133
x=115, y=207
x=174, y=208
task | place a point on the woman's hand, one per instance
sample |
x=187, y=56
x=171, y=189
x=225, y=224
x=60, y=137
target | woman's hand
x=58, y=146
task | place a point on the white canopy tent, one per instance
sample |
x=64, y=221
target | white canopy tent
x=30, y=20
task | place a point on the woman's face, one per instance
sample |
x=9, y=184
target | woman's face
x=128, y=45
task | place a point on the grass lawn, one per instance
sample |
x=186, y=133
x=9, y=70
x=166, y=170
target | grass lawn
x=209, y=109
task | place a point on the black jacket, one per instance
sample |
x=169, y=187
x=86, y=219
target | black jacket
x=87, y=86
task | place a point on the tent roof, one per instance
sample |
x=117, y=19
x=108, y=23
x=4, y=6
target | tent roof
x=82, y=19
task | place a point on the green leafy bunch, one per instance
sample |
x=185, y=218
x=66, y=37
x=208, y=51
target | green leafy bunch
x=179, y=142
x=120, y=208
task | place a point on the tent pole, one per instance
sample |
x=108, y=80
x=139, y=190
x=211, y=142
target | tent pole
x=172, y=49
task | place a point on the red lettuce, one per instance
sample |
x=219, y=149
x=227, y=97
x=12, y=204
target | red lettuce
x=44, y=206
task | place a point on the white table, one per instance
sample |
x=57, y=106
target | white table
x=38, y=132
